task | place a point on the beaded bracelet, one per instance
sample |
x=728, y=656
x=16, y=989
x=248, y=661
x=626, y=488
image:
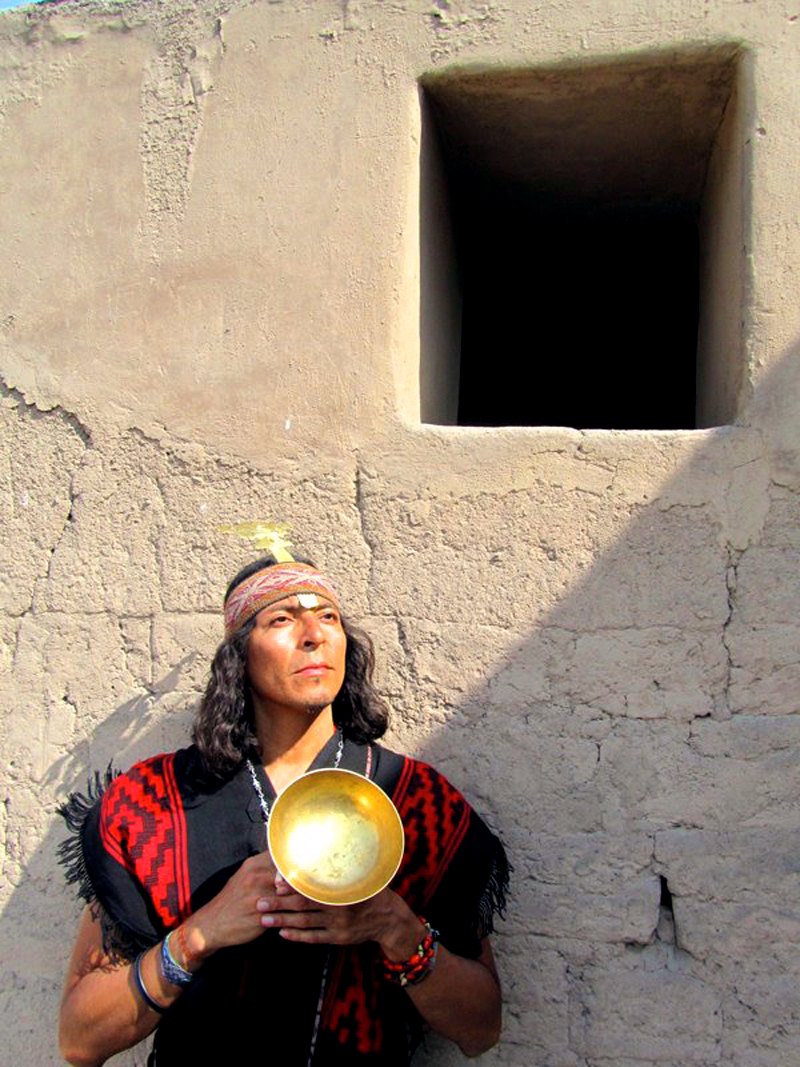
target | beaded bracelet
x=137, y=974
x=419, y=964
x=171, y=969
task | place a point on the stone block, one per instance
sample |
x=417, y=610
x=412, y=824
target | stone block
x=40, y=455
x=107, y=558
x=666, y=781
x=392, y=667
x=653, y=673
x=595, y=887
x=767, y=587
x=623, y=1012
x=765, y=676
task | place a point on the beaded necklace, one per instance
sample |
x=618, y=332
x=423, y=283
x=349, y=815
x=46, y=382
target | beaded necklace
x=262, y=800
x=265, y=810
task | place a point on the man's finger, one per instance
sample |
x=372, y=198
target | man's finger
x=297, y=920
x=294, y=903
x=309, y=937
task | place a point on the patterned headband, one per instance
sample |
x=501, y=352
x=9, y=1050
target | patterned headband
x=270, y=585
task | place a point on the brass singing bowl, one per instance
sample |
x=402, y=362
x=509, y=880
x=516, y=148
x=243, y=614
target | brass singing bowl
x=335, y=836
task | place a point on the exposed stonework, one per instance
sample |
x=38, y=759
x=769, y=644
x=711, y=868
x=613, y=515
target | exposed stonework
x=209, y=313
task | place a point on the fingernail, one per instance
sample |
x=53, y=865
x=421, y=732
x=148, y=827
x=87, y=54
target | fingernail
x=268, y=920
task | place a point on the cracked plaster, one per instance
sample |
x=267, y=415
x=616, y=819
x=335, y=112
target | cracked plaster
x=594, y=634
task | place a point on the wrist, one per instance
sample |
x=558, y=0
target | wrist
x=192, y=945
x=145, y=985
x=402, y=935
x=419, y=965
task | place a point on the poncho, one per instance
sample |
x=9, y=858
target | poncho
x=151, y=846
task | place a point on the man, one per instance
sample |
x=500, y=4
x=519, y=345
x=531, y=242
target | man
x=190, y=929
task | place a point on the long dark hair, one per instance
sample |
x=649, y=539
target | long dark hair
x=224, y=728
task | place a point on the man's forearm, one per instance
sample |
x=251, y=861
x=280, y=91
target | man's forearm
x=101, y=1012
x=460, y=1000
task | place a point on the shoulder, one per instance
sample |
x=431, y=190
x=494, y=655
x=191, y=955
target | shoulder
x=183, y=763
x=151, y=787
x=454, y=867
x=123, y=834
x=415, y=781
x=147, y=775
x=108, y=789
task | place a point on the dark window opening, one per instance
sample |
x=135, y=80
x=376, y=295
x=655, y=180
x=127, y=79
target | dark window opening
x=581, y=245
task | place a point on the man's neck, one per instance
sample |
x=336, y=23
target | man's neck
x=290, y=743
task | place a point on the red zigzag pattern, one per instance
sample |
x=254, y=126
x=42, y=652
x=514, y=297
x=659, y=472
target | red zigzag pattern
x=435, y=817
x=143, y=827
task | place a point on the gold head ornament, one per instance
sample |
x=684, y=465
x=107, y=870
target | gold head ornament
x=265, y=536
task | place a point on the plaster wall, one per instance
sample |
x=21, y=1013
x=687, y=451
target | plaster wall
x=210, y=312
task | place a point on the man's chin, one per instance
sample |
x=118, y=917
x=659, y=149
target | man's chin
x=312, y=710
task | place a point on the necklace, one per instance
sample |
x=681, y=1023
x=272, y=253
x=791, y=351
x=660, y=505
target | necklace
x=262, y=800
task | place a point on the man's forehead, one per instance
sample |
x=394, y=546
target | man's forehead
x=300, y=601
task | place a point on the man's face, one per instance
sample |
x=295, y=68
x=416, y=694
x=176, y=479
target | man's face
x=296, y=655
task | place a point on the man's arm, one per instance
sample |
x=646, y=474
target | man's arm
x=459, y=999
x=102, y=1011
x=464, y=1003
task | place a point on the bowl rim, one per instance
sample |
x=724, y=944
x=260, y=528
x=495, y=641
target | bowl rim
x=353, y=774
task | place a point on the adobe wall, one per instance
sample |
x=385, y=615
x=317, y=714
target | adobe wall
x=210, y=313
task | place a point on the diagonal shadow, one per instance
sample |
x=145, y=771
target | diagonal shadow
x=638, y=750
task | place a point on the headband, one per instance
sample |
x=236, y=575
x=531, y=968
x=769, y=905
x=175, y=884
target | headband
x=267, y=586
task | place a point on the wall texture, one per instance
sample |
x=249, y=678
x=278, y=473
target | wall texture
x=209, y=312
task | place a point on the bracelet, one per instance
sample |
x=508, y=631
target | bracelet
x=419, y=964
x=171, y=969
x=137, y=974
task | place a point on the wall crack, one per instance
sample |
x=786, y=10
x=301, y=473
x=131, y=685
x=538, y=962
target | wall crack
x=38, y=410
x=361, y=508
x=731, y=585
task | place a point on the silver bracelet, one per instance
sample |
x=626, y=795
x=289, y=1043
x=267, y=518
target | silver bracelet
x=137, y=974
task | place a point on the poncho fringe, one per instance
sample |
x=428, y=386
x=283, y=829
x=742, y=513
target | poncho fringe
x=120, y=943
x=493, y=900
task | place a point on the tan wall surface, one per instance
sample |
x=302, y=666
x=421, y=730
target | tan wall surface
x=209, y=312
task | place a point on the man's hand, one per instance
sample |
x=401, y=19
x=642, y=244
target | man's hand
x=232, y=917
x=385, y=918
x=460, y=998
x=101, y=1010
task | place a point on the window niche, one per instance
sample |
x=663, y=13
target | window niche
x=581, y=244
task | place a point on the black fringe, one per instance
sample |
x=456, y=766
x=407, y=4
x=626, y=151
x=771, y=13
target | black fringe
x=119, y=942
x=74, y=811
x=493, y=901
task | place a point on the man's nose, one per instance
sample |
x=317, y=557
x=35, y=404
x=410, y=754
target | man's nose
x=312, y=630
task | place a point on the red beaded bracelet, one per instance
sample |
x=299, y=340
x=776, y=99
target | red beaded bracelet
x=419, y=964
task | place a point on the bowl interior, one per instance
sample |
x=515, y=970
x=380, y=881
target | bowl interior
x=335, y=836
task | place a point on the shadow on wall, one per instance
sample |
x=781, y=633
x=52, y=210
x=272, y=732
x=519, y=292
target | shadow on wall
x=637, y=751
x=39, y=922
